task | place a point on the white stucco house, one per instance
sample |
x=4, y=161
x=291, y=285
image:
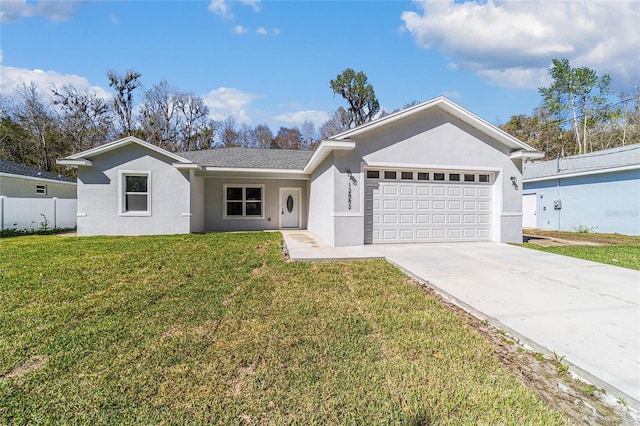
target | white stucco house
x=598, y=191
x=432, y=172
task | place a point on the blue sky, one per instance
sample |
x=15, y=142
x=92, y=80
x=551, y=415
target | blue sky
x=271, y=61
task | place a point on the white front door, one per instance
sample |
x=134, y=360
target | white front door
x=290, y=208
x=529, y=219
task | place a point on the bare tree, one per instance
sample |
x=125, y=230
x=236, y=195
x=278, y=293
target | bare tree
x=36, y=116
x=124, y=85
x=228, y=133
x=159, y=116
x=264, y=136
x=86, y=119
x=332, y=126
x=288, y=138
x=194, y=119
x=308, y=133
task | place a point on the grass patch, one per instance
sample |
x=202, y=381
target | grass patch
x=594, y=237
x=217, y=328
x=626, y=256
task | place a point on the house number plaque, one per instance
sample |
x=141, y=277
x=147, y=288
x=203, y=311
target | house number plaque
x=354, y=181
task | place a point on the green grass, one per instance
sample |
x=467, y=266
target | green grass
x=217, y=328
x=626, y=256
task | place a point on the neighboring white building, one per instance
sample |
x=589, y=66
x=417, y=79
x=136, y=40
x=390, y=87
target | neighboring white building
x=20, y=181
x=596, y=192
x=432, y=172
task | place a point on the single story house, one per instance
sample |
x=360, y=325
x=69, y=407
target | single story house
x=432, y=172
x=20, y=181
x=599, y=191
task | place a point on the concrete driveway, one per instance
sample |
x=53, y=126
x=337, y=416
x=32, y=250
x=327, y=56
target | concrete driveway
x=585, y=311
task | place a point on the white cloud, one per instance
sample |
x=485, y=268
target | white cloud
x=276, y=31
x=261, y=31
x=44, y=80
x=0, y=55
x=226, y=101
x=57, y=11
x=511, y=43
x=299, y=117
x=239, y=29
x=221, y=8
x=255, y=4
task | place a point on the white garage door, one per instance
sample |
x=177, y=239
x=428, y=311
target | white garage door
x=427, y=205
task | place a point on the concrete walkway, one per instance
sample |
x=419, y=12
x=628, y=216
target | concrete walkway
x=585, y=311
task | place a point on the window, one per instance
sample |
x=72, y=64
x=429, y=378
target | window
x=483, y=178
x=135, y=193
x=243, y=201
x=454, y=177
x=389, y=175
x=423, y=176
x=438, y=176
x=41, y=189
x=406, y=175
x=469, y=178
x=373, y=174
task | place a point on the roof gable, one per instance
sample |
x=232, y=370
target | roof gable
x=90, y=153
x=12, y=168
x=450, y=107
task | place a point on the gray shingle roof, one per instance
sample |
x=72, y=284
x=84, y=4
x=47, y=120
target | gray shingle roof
x=609, y=158
x=249, y=158
x=10, y=167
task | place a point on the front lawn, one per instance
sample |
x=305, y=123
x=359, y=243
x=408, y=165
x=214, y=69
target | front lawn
x=218, y=328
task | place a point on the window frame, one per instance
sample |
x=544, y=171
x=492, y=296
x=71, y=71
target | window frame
x=244, y=201
x=122, y=191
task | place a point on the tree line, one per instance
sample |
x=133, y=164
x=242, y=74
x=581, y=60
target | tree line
x=37, y=128
x=578, y=114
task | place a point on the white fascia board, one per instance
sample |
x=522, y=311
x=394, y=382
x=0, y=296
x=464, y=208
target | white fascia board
x=453, y=109
x=256, y=170
x=585, y=173
x=74, y=162
x=187, y=166
x=323, y=150
x=38, y=179
x=122, y=142
x=526, y=154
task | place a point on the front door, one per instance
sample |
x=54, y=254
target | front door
x=290, y=208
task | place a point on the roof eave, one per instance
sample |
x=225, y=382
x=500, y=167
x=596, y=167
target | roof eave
x=75, y=162
x=521, y=154
x=251, y=170
x=582, y=173
x=323, y=150
x=187, y=166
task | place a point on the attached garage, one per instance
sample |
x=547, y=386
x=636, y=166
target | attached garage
x=427, y=205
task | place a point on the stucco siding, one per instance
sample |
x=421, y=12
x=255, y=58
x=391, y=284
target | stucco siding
x=608, y=202
x=321, y=201
x=26, y=188
x=99, y=195
x=197, y=203
x=214, y=203
x=437, y=141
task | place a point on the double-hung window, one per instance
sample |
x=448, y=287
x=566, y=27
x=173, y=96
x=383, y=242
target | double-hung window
x=243, y=201
x=135, y=193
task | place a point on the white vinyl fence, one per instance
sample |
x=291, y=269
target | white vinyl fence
x=32, y=213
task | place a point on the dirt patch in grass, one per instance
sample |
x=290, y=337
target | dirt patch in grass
x=590, y=238
x=581, y=402
x=32, y=364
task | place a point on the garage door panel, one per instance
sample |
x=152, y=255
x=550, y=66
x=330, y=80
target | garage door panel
x=454, y=191
x=438, y=191
x=406, y=204
x=411, y=211
x=439, y=204
x=422, y=204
